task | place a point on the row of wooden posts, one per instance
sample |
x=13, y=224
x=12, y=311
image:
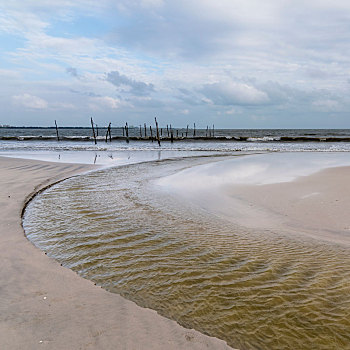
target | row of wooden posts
x=158, y=134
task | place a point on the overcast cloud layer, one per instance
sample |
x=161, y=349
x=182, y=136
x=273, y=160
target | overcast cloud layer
x=237, y=64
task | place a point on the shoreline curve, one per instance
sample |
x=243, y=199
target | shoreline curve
x=44, y=304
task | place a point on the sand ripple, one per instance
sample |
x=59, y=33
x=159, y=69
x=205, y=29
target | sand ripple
x=256, y=290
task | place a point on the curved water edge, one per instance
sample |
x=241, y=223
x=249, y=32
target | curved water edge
x=255, y=289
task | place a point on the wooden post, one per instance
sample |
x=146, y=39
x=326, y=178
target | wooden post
x=167, y=129
x=140, y=132
x=93, y=130
x=150, y=129
x=110, y=132
x=213, y=130
x=194, y=129
x=206, y=133
x=107, y=132
x=187, y=131
x=127, y=132
x=145, y=129
x=96, y=130
x=158, y=138
x=123, y=131
x=177, y=133
x=58, y=138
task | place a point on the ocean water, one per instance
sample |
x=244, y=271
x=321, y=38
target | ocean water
x=77, y=145
x=129, y=229
x=242, y=135
x=133, y=228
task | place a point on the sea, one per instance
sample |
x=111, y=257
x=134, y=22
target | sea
x=135, y=227
x=78, y=145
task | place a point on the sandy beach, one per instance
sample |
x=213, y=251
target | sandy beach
x=45, y=305
x=174, y=175
x=290, y=195
x=315, y=206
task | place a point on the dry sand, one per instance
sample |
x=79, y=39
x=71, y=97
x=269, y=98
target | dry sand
x=43, y=305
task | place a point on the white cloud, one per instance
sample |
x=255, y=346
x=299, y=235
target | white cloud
x=326, y=105
x=105, y=102
x=144, y=3
x=30, y=101
x=231, y=111
x=204, y=56
x=62, y=106
x=21, y=22
x=231, y=93
x=9, y=74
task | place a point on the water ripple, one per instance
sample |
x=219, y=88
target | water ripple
x=256, y=290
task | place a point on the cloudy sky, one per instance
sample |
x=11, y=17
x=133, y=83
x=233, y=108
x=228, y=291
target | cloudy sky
x=234, y=63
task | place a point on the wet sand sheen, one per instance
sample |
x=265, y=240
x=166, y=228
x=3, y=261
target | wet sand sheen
x=255, y=289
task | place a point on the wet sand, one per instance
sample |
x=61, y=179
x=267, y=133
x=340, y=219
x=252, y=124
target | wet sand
x=44, y=304
x=303, y=194
x=315, y=206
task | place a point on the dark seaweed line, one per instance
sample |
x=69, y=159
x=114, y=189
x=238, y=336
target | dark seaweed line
x=290, y=139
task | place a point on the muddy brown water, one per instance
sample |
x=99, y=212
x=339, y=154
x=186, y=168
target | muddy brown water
x=256, y=290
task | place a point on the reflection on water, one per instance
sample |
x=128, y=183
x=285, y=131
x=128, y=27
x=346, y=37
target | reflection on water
x=256, y=290
x=106, y=157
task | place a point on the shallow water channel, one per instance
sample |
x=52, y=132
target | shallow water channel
x=254, y=289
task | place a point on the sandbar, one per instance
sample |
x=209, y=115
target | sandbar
x=300, y=195
x=314, y=206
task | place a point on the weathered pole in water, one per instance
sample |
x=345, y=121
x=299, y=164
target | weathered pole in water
x=93, y=130
x=107, y=132
x=167, y=129
x=58, y=138
x=206, y=133
x=194, y=129
x=187, y=131
x=140, y=131
x=127, y=132
x=145, y=129
x=213, y=130
x=150, y=129
x=158, y=138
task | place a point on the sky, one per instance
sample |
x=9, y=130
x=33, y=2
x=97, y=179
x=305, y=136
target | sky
x=232, y=63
